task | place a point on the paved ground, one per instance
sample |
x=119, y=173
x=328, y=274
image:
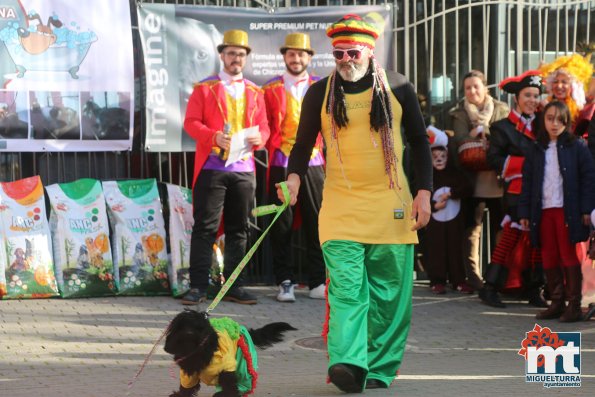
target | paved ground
x=93, y=347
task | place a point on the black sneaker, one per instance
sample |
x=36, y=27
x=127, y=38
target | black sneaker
x=194, y=296
x=240, y=295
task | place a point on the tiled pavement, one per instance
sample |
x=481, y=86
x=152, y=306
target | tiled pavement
x=93, y=347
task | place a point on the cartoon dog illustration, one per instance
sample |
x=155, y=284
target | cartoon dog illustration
x=39, y=41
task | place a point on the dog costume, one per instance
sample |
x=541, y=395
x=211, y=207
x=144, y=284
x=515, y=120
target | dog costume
x=217, y=352
x=235, y=352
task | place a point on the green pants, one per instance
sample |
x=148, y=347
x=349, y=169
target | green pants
x=369, y=295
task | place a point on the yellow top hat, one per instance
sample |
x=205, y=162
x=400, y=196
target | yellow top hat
x=297, y=41
x=235, y=38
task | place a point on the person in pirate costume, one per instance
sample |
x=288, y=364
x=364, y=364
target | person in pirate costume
x=219, y=107
x=511, y=139
x=283, y=96
x=368, y=219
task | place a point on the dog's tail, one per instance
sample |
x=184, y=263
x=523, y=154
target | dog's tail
x=269, y=334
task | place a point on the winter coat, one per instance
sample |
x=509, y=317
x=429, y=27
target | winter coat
x=578, y=174
x=461, y=124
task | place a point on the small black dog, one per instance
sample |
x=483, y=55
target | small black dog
x=218, y=352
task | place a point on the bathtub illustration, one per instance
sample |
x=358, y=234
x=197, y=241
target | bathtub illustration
x=65, y=55
x=59, y=58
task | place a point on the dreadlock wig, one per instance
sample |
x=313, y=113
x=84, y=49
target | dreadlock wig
x=352, y=29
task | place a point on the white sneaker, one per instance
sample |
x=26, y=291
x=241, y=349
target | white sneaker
x=286, y=292
x=318, y=292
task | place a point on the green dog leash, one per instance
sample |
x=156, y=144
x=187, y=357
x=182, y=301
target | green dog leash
x=256, y=212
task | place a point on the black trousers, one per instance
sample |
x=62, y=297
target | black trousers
x=309, y=200
x=443, y=251
x=215, y=192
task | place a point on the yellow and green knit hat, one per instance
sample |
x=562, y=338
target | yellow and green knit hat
x=352, y=29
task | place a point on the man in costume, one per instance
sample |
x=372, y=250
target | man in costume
x=514, y=266
x=283, y=96
x=368, y=219
x=220, y=107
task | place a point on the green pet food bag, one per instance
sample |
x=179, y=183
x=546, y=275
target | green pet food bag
x=180, y=230
x=80, y=236
x=138, y=237
x=3, y=265
x=29, y=269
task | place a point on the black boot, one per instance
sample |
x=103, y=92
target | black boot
x=535, y=296
x=347, y=377
x=555, y=286
x=533, y=281
x=495, y=277
x=590, y=312
x=574, y=278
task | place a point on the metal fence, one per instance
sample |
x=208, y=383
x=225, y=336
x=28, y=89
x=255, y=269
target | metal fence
x=437, y=42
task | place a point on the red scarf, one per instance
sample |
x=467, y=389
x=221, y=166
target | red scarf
x=522, y=125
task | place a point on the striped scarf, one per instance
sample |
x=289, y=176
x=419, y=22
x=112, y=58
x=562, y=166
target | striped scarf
x=522, y=124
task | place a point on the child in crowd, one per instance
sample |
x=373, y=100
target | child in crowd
x=443, y=251
x=557, y=197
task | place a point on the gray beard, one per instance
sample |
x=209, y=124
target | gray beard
x=354, y=73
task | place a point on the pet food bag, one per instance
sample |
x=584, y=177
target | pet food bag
x=180, y=230
x=138, y=237
x=29, y=270
x=3, y=266
x=80, y=230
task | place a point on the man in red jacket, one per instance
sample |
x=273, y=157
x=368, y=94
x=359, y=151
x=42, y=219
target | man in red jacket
x=220, y=107
x=283, y=97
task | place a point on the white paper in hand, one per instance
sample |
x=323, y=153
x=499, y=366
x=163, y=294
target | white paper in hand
x=239, y=147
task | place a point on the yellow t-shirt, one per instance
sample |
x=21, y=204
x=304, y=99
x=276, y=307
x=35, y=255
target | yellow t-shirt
x=357, y=203
x=224, y=360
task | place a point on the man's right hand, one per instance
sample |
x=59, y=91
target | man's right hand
x=293, y=185
x=222, y=140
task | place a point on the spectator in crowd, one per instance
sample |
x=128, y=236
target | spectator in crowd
x=586, y=114
x=442, y=240
x=569, y=79
x=471, y=121
x=220, y=107
x=566, y=80
x=591, y=136
x=368, y=219
x=556, y=201
x=511, y=139
x=283, y=96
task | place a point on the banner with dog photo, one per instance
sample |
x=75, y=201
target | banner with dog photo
x=180, y=49
x=67, y=75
